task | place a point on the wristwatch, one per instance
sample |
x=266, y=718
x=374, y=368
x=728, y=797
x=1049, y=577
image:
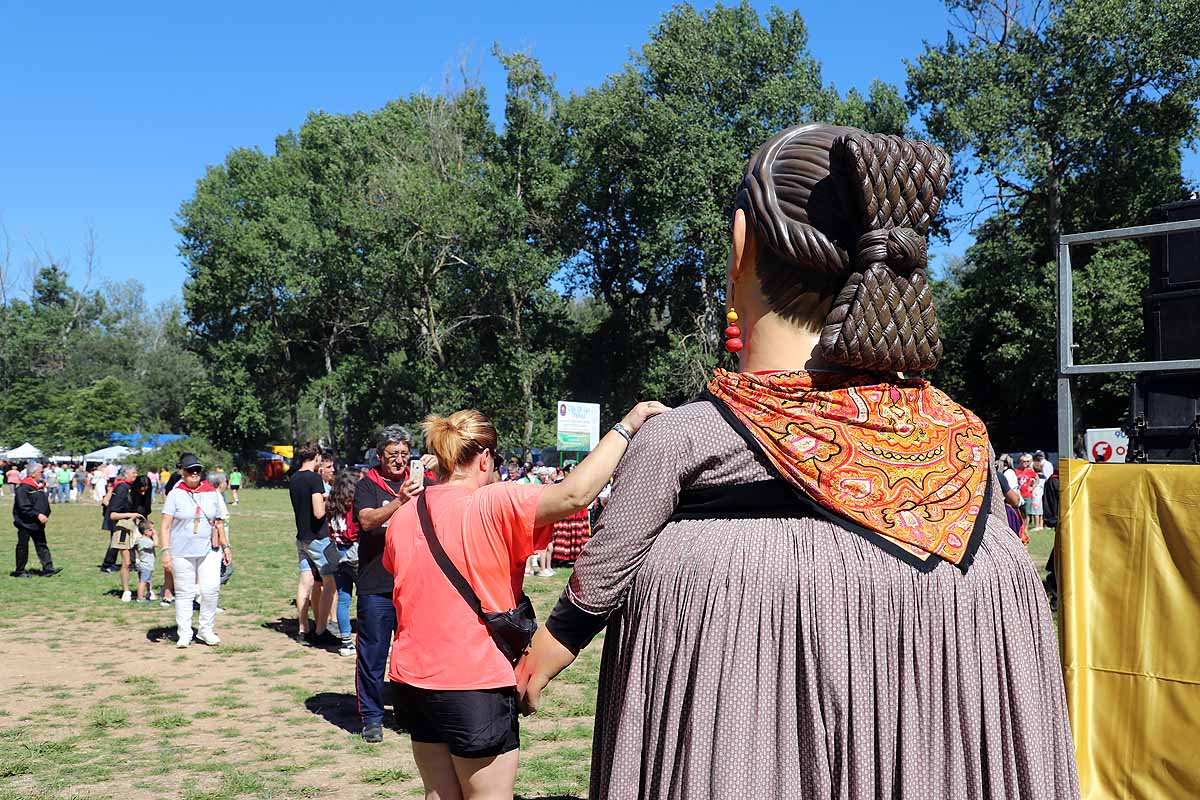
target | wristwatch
x=621, y=429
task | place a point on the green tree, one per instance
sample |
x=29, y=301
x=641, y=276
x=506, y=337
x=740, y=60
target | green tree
x=1070, y=116
x=657, y=154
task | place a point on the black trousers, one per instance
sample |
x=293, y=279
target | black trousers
x=39, y=542
x=110, y=556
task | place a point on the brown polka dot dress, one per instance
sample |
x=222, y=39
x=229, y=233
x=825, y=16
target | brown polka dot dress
x=790, y=658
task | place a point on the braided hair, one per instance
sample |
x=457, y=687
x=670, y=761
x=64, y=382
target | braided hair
x=843, y=216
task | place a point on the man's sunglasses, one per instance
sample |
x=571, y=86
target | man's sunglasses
x=194, y=470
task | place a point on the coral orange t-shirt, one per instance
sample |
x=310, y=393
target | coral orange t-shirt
x=488, y=534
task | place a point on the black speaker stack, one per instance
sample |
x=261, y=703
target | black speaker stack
x=1164, y=409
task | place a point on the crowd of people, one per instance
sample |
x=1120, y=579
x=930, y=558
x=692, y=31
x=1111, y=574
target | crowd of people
x=424, y=578
x=342, y=517
x=811, y=577
x=1024, y=487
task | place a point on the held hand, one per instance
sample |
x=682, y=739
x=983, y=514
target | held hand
x=430, y=461
x=543, y=661
x=410, y=489
x=42, y=518
x=642, y=412
x=227, y=556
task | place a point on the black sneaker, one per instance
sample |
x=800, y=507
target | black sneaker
x=110, y=570
x=21, y=573
x=372, y=732
x=46, y=573
x=327, y=639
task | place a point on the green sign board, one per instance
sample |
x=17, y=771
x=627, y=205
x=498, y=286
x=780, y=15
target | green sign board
x=574, y=440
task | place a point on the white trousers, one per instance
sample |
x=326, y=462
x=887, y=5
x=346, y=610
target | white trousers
x=187, y=569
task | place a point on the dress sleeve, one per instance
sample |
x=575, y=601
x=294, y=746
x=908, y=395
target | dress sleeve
x=644, y=495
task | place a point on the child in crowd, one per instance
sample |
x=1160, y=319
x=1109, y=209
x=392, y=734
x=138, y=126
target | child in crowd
x=144, y=548
x=226, y=569
x=344, y=532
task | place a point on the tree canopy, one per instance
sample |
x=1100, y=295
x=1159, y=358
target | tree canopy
x=1067, y=116
x=378, y=266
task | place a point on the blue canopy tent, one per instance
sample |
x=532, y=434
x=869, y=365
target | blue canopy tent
x=144, y=441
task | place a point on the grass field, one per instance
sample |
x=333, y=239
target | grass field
x=96, y=702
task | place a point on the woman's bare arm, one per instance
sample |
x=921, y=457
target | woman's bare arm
x=581, y=487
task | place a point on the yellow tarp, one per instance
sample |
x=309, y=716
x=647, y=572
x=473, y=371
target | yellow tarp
x=284, y=450
x=1129, y=550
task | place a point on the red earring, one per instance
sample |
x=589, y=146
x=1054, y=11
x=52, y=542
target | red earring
x=733, y=334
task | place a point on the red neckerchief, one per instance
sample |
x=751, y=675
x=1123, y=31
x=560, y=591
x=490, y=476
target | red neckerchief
x=374, y=477
x=204, y=486
x=896, y=457
x=119, y=481
x=28, y=481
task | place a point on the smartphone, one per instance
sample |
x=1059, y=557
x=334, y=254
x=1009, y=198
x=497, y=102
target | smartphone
x=416, y=471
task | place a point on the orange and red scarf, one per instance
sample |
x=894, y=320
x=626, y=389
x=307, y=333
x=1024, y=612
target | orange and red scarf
x=896, y=457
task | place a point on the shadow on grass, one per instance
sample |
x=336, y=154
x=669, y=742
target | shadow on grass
x=161, y=633
x=341, y=710
x=289, y=627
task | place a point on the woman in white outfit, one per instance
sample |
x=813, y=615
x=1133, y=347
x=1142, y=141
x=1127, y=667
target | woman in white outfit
x=194, y=545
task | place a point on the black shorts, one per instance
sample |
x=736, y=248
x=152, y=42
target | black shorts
x=472, y=723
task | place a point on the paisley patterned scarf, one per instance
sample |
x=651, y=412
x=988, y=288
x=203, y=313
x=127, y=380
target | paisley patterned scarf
x=896, y=460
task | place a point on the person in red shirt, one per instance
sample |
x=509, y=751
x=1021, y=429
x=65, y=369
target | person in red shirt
x=1027, y=478
x=455, y=689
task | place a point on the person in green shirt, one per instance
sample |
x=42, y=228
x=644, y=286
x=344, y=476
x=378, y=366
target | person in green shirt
x=63, y=477
x=235, y=483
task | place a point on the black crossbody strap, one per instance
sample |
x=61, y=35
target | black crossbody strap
x=439, y=555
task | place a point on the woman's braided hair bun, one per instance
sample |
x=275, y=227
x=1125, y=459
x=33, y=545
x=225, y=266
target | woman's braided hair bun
x=854, y=208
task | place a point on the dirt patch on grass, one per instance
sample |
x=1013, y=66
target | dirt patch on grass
x=142, y=719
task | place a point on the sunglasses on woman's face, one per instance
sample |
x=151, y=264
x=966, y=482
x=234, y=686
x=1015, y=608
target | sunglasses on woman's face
x=194, y=470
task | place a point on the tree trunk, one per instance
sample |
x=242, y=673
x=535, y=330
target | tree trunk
x=435, y=340
x=294, y=412
x=328, y=412
x=527, y=396
x=1053, y=201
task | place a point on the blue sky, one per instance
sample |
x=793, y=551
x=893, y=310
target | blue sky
x=112, y=111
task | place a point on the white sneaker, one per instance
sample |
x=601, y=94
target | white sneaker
x=182, y=643
x=546, y=573
x=153, y=596
x=208, y=637
x=126, y=596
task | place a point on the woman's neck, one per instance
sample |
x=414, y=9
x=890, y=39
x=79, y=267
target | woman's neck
x=774, y=344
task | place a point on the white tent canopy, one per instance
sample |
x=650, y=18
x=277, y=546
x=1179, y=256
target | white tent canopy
x=24, y=451
x=114, y=453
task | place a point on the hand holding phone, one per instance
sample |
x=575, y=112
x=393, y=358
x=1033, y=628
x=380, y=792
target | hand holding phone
x=416, y=471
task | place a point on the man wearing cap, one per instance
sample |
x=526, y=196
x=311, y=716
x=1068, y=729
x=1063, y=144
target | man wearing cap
x=31, y=512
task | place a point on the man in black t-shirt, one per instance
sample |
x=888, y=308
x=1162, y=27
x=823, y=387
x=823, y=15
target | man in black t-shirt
x=308, y=504
x=379, y=495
